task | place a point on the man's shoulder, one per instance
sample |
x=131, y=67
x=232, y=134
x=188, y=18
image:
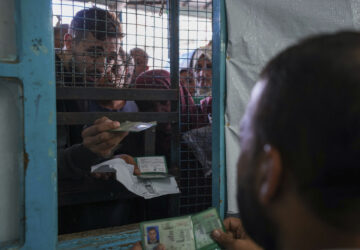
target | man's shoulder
x=130, y=106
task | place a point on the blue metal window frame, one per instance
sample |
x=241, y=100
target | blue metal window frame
x=218, y=106
x=35, y=69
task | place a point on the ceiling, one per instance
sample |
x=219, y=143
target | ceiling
x=190, y=5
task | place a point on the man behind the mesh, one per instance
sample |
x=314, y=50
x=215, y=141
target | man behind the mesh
x=299, y=167
x=89, y=56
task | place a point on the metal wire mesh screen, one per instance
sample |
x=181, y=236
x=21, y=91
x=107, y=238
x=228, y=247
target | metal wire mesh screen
x=141, y=41
x=195, y=27
x=125, y=44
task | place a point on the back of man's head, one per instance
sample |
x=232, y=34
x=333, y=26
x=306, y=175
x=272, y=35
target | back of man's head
x=99, y=22
x=310, y=111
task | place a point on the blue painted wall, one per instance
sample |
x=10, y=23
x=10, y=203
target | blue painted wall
x=35, y=69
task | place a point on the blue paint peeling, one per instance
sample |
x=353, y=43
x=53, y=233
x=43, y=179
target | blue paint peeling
x=37, y=46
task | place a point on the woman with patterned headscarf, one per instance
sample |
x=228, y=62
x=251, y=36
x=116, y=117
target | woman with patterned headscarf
x=202, y=67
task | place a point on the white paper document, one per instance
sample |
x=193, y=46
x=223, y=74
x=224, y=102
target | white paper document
x=147, y=188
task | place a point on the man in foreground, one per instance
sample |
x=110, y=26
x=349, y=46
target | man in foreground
x=299, y=167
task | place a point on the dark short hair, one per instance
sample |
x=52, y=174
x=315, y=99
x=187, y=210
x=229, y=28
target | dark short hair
x=310, y=111
x=99, y=22
x=152, y=229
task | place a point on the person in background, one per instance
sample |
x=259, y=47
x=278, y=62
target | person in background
x=141, y=59
x=160, y=79
x=187, y=77
x=118, y=77
x=202, y=67
x=299, y=166
x=130, y=66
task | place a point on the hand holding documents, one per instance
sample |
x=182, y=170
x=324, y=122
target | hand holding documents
x=186, y=232
x=134, y=126
x=147, y=188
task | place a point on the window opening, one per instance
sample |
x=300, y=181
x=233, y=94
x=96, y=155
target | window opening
x=113, y=60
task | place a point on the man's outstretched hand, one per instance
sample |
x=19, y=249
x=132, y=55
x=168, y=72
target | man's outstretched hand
x=99, y=140
x=234, y=237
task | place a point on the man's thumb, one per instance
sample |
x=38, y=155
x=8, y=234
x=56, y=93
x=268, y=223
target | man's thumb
x=225, y=240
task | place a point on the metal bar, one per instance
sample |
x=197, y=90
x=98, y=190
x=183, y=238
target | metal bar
x=37, y=73
x=145, y=3
x=9, y=70
x=174, y=76
x=79, y=118
x=174, y=43
x=150, y=141
x=78, y=93
x=218, y=106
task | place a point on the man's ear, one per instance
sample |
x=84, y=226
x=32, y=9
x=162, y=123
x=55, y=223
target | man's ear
x=270, y=172
x=68, y=39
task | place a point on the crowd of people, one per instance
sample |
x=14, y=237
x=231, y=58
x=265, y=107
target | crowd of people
x=92, y=57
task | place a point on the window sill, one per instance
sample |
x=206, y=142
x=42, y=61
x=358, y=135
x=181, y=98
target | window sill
x=122, y=237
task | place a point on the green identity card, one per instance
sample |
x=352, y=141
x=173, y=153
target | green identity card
x=182, y=233
x=152, y=167
x=134, y=126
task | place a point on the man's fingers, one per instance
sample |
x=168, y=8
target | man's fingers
x=232, y=224
x=137, y=246
x=100, y=127
x=101, y=120
x=108, y=144
x=225, y=240
x=106, y=148
x=98, y=139
x=104, y=137
x=160, y=247
x=104, y=144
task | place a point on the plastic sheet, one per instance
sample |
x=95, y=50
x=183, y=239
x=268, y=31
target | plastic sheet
x=199, y=141
x=257, y=30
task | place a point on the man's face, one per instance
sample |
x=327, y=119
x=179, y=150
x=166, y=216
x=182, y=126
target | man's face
x=152, y=235
x=203, y=75
x=254, y=217
x=94, y=58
